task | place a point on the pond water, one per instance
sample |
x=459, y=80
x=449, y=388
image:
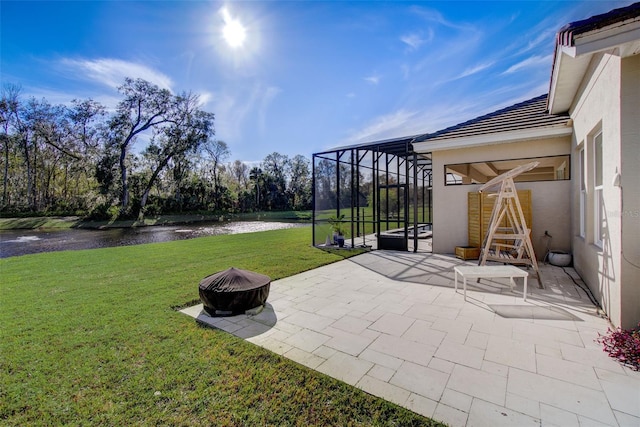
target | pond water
x=23, y=242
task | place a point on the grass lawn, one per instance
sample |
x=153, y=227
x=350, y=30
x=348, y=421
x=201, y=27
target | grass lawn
x=93, y=338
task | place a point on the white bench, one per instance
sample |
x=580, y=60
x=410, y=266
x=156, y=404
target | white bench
x=489, y=272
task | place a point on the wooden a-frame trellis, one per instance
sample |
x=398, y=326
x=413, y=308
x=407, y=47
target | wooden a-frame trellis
x=510, y=244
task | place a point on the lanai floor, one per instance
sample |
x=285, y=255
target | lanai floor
x=391, y=324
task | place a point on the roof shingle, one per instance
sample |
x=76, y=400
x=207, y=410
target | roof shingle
x=524, y=115
x=567, y=33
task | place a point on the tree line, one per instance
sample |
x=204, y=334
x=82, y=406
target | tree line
x=82, y=159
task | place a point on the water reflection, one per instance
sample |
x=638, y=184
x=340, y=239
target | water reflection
x=23, y=242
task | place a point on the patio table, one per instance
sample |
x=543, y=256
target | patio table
x=489, y=272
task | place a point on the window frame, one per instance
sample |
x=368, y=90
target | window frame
x=449, y=176
x=598, y=196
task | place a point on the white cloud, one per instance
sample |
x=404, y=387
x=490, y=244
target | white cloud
x=415, y=40
x=404, y=122
x=463, y=44
x=239, y=110
x=205, y=98
x=230, y=115
x=533, y=61
x=387, y=126
x=112, y=72
x=373, y=79
x=447, y=73
x=475, y=69
x=541, y=38
x=64, y=97
x=433, y=15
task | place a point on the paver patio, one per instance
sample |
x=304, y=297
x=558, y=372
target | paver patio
x=391, y=324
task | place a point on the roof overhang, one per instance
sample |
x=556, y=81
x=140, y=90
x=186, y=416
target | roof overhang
x=574, y=53
x=493, y=138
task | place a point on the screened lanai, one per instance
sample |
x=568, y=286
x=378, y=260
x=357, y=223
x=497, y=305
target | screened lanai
x=376, y=195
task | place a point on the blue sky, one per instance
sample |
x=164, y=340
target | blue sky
x=309, y=75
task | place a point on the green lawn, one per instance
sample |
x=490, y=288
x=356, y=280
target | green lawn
x=93, y=338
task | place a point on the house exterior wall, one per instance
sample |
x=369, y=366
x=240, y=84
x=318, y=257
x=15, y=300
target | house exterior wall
x=608, y=102
x=630, y=173
x=551, y=206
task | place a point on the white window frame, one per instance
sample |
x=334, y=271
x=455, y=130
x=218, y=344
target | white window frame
x=583, y=193
x=598, y=200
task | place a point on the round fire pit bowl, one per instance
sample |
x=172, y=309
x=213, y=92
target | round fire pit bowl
x=234, y=291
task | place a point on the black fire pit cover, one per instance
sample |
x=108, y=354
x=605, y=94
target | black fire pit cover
x=233, y=291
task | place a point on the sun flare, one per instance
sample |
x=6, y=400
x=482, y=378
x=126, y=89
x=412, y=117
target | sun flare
x=233, y=31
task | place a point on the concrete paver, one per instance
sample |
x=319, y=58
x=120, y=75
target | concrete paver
x=345, y=367
x=391, y=324
x=555, y=392
x=555, y=416
x=484, y=414
x=477, y=383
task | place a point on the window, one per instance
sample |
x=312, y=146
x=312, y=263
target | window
x=551, y=168
x=583, y=195
x=598, y=205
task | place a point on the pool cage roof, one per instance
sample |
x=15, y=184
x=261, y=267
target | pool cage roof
x=377, y=191
x=399, y=147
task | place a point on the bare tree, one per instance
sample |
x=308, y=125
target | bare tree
x=215, y=153
x=239, y=173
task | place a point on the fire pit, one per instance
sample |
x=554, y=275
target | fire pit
x=233, y=291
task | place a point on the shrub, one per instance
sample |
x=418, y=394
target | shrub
x=624, y=345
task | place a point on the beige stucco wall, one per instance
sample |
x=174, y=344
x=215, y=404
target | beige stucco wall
x=550, y=199
x=630, y=206
x=608, y=100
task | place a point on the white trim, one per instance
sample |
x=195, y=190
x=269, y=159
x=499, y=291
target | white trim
x=598, y=193
x=555, y=77
x=568, y=50
x=604, y=39
x=582, y=171
x=492, y=138
x=598, y=209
